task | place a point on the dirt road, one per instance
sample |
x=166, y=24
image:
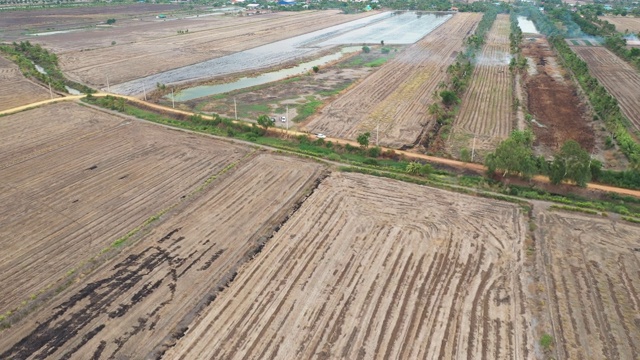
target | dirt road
x=433, y=159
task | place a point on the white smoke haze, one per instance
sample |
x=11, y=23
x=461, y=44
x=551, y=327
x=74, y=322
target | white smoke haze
x=499, y=58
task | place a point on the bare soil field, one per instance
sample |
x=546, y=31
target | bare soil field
x=589, y=268
x=618, y=77
x=552, y=98
x=486, y=113
x=76, y=179
x=16, y=90
x=144, y=48
x=16, y=21
x=623, y=23
x=139, y=303
x=375, y=268
x=397, y=96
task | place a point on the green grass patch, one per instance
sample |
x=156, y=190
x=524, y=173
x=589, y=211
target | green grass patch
x=575, y=42
x=587, y=42
x=376, y=62
x=307, y=109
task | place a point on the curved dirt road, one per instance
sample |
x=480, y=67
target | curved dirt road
x=433, y=159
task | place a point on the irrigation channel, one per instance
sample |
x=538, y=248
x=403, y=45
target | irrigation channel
x=390, y=27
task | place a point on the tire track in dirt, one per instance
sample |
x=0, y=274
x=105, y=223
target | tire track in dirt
x=594, y=308
x=345, y=282
x=144, y=300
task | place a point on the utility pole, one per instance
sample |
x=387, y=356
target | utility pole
x=173, y=101
x=108, y=88
x=144, y=90
x=235, y=108
x=50, y=92
x=377, y=134
x=287, y=118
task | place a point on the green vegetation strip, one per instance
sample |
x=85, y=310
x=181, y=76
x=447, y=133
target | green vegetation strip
x=27, y=56
x=374, y=160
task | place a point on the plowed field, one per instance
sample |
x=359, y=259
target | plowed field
x=397, y=96
x=375, y=268
x=624, y=23
x=619, y=78
x=486, y=112
x=558, y=112
x=590, y=268
x=138, y=304
x=15, y=89
x=75, y=179
x=146, y=48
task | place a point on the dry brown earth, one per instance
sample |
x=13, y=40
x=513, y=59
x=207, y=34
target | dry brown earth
x=559, y=114
x=618, y=77
x=16, y=90
x=397, y=96
x=376, y=268
x=148, y=47
x=58, y=18
x=590, y=271
x=136, y=305
x=624, y=23
x=76, y=179
x=486, y=112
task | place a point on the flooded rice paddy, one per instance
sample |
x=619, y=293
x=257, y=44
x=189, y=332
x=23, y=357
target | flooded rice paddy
x=387, y=26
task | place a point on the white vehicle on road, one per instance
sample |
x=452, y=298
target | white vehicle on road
x=321, y=136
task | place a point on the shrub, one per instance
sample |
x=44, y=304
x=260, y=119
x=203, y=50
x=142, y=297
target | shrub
x=546, y=341
x=366, y=49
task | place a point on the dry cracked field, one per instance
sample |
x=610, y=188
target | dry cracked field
x=486, y=112
x=590, y=270
x=396, y=97
x=617, y=76
x=15, y=89
x=375, y=268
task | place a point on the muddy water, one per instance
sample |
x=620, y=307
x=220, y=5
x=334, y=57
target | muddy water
x=288, y=50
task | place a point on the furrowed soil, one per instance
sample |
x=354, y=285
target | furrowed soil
x=141, y=302
x=376, y=268
x=618, y=77
x=559, y=113
x=623, y=23
x=486, y=115
x=589, y=267
x=76, y=179
x=144, y=48
x=397, y=96
x=16, y=90
x=15, y=22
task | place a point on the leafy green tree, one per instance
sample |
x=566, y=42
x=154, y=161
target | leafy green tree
x=363, y=139
x=366, y=49
x=111, y=21
x=265, y=122
x=571, y=163
x=514, y=155
x=413, y=168
x=449, y=97
x=316, y=69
